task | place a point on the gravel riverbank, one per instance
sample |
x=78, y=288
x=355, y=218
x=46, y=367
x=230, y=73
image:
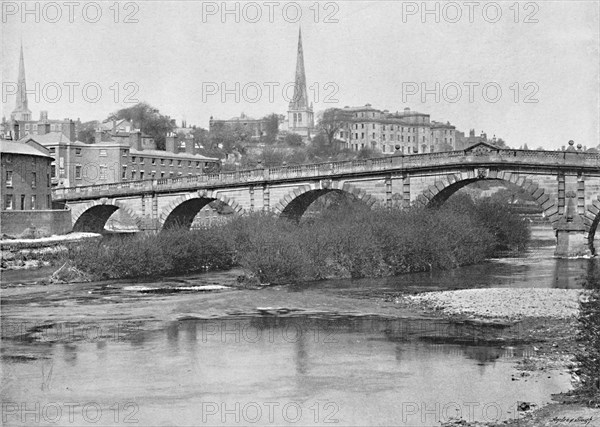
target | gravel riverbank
x=504, y=302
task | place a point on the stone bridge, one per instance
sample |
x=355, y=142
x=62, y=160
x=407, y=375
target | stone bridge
x=565, y=184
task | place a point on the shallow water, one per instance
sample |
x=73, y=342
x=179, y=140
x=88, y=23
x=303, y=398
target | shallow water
x=105, y=354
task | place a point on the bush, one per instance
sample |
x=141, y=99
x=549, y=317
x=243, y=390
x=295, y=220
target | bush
x=342, y=240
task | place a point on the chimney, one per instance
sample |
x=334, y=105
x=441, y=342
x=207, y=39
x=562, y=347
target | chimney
x=171, y=143
x=189, y=145
x=472, y=132
x=43, y=128
x=135, y=140
x=71, y=131
x=16, y=133
x=98, y=136
x=43, y=115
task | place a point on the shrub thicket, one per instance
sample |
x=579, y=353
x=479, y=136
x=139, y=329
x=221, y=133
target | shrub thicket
x=344, y=241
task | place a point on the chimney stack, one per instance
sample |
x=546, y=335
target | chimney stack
x=171, y=143
x=189, y=145
x=43, y=115
x=16, y=133
x=43, y=128
x=135, y=140
x=71, y=131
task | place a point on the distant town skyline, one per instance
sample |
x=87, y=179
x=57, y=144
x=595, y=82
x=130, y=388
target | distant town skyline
x=383, y=54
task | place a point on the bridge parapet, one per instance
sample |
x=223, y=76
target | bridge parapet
x=490, y=158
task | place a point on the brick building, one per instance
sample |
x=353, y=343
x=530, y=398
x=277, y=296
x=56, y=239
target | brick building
x=411, y=131
x=116, y=158
x=25, y=176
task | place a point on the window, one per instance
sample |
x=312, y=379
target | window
x=162, y=162
x=78, y=151
x=8, y=202
x=133, y=175
x=153, y=161
x=162, y=174
x=52, y=150
x=78, y=172
x=141, y=174
x=9, y=178
x=22, y=202
x=33, y=179
x=26, y=126
x=102, y=153
x=362, y=135
x=383, y=148
x=383, y=137
x=362, y=125
x=53, y=170
x=102, y=172
x=125, y=153
x=373, y=134
x=141, y=160
x=124, y=172
x=8, y=158
x=171, y=162
x=178, y=163
x=33, y=202
x=48, y=180
x=197, y=164
x=48, y=202
x=300, y=117
x=133, y=159
x=373, y=125
x=171, y=174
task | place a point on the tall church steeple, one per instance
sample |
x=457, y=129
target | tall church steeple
x=21, y=111
x=300, y=113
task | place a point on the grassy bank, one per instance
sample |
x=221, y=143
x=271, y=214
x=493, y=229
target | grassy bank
x=345, y=240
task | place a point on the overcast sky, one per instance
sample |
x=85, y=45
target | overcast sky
x=178, y=54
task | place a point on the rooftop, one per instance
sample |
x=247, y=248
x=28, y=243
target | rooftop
x=12, y=147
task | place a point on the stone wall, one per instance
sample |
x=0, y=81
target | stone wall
x=45, y=223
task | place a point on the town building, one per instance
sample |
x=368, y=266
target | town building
x=255, y=128
x=406, y=132
x=25, y=176
x=118, y=158
x=26, y=209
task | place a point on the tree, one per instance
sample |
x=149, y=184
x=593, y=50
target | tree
x=149, y=120
x=501, y=143
x=87, y=132
x=332, y=120
x=293, y=140
x=271, y=128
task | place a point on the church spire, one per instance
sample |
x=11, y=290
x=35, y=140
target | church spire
x=300, y=99
x=21, y=111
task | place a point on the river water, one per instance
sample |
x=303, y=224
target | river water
x=119, y=353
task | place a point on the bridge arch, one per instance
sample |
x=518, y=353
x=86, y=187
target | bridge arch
x=435, y=195
x=296, y=202
x=92, y=216
x=181, y=212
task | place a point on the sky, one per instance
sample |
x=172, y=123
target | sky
x=528, y=72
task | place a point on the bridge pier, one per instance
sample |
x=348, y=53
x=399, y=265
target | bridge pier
x=571, y=236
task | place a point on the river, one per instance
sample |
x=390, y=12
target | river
x=116, y=353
